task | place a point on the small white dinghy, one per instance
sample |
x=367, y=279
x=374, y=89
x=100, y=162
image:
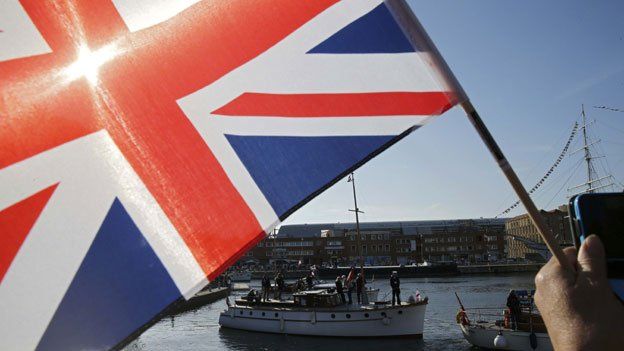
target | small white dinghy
x=321, y=313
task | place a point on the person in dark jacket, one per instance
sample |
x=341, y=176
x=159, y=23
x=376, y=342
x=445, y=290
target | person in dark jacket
x=339, y=288
x=350, y=284
x=279, y=281
x=266, y=287
x=513, y=303
x=309, y=281
x=395, y=284
x=359, y=287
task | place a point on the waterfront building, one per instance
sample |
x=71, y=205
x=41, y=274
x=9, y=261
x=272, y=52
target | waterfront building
x=523, y=240
x=384, y=243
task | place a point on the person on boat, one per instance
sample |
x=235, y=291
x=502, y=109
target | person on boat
x=266, y=287
x=350, y=284
x=395, y=284
x=309, y=281
x=360, y=282
x=579, y=307
x=253, y=296
x=339, y=288
x=513, y=303
x=279, y=281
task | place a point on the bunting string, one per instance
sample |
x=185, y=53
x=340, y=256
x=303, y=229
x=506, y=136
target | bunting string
x=550, y=170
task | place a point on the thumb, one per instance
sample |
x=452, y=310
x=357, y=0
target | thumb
x=591, y=258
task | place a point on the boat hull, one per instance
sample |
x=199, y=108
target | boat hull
x=360, y=321
x=516, y=340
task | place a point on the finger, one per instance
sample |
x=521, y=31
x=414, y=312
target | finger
x=591, y=258
x=553, y=274
x=571, y=254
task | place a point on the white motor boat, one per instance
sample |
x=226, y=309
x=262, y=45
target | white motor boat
x=529, y=334
x=321, y=313
x=490, y=336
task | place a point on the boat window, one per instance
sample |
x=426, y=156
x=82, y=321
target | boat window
x=241, y=312
x=366, y=315
x=333, y=315
x=383, y=314
x=263, y=314
x=400, y=312
x=251, y=313
x=348, y=316
x=276, y=315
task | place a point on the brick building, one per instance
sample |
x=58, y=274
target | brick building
x=523, y=240
x=384, y=243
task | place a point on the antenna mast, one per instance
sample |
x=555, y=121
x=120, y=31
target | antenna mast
x=357, y=211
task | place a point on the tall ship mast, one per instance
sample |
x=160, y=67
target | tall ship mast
x=596, y=182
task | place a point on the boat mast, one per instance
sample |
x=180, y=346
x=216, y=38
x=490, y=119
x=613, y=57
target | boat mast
x=588, y=157
x=357, y=211
x=594, y=182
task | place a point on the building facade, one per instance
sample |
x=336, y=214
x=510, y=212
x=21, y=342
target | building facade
x=524, y=242
x=384, y=243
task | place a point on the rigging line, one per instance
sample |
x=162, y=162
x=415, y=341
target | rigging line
x=555, y=181
x=550, y=170
x=609, y=108
x=549, y=188
x=511, y=195
x=564, y=184
x=611, y=127
x=612, y=142
x=604, y=162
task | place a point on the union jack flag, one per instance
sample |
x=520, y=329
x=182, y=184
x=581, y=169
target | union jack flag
x=145, y=145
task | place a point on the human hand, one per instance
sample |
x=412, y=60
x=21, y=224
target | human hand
x=579, y=308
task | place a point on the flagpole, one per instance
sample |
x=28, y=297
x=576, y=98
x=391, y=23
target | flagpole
x=418, y=37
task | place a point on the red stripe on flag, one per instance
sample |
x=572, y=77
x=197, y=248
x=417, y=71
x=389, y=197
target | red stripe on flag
x=16, y=222
x=339, y=105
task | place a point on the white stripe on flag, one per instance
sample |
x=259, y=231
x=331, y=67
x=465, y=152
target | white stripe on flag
x=140, y=14
x=18, y=35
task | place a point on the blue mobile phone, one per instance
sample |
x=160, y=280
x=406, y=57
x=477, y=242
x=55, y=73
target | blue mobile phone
x=603, y=214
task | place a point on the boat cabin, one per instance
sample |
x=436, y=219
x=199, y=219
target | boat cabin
x=316, y=298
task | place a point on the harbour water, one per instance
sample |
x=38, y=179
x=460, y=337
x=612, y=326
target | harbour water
x=199, y=329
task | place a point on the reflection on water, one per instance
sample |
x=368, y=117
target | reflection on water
x=199, y=329
x=248, y=341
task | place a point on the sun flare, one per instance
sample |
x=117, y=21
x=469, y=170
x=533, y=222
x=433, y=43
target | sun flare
x=89, y=62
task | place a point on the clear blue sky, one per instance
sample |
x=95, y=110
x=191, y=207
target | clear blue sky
x=527, y=66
